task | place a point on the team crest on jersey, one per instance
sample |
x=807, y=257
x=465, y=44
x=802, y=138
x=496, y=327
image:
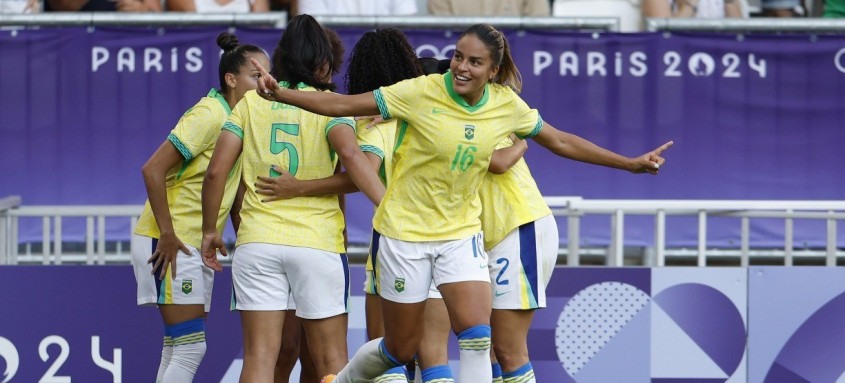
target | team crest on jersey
x=187, y=286
x=399, y=285
x=469, y=132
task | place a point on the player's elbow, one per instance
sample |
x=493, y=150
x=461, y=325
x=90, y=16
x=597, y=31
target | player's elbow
x=213, y=174
x=497, y=167
x=349, y=155
x=149, y=171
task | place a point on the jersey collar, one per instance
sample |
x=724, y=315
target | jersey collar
x=450, y=88
x=284, y=84
x=213, y=93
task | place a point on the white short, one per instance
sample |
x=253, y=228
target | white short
x=522, y=265
x=266, y=276
x=192, y=285
x=407, y=269
x=370, y=281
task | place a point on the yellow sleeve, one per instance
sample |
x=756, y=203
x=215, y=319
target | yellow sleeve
x=527, y=122
x=339, y=121
x=196, y=131
x=395, y=101
x=238, y=119
x=372, y=140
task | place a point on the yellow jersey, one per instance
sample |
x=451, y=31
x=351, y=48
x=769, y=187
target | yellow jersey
x=509, y=201
x=194, y=136
x=381, y=141
x=442, y=155
x=297, y=141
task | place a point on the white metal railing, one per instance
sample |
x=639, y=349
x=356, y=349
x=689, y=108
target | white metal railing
x=279, y=19
x=51, y=233
x=573, y=208
x=805, y=25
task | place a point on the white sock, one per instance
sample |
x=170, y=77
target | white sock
x=393, y=375
x=188, y=350
x=370, y=361
x=524, y=374
x=474, y=344
x=166, y=353
x=184, y=363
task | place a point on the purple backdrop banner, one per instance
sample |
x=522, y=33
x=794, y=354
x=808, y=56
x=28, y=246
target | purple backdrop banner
x=752, y=117
x=658, y=325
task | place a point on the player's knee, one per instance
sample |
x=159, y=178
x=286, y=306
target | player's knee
x=397, y=353
x=510, y=356
x=289, y=346
x=189, y=345
x=475, y=338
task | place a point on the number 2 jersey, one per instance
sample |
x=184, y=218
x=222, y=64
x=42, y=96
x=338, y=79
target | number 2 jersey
x=297, y=141
x=442, y=155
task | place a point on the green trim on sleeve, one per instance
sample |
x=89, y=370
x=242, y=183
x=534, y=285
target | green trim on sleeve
x=338, y=121
x=183, y=150
x=234, y=129
x=373, y=149
x=382, y=105
x=537, y=127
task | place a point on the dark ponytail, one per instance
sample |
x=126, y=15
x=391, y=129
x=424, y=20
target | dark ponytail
x=233, y=57
x=302, y=51
x=500, y=54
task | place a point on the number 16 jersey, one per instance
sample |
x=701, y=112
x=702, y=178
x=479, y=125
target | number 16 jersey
x=443, y=154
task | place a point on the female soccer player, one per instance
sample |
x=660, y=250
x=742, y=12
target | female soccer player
x=429, y=217
x=380, y=58
x=169, y=231
x=520, y=235
x=291, y=247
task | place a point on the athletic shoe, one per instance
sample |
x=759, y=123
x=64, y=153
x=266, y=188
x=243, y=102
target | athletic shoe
x=328, y=378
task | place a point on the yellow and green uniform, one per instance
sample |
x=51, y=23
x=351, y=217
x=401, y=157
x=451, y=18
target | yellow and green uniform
x=509, y=201
x=442, y=155
x=194, y=136
x=297, y=141
x=381, y=141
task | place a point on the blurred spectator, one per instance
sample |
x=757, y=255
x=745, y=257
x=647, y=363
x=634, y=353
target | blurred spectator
x=489, y=7
x=781, y=8
x=628, y=12
x=19, y=6
x=355, y=7
x=288, y=6
x=703, y=9
x=102, y=5
x=218, y=6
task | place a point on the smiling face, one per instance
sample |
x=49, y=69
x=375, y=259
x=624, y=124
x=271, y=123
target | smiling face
x=472, y=67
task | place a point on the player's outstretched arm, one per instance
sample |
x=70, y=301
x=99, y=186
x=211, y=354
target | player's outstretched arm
x=576, y=148
x=323, y=103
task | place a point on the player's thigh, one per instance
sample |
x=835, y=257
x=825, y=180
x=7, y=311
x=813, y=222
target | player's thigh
x=259, y=279
x=319, y=282
x=403, y=270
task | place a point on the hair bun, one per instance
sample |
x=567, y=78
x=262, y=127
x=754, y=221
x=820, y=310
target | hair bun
x=227, y=41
